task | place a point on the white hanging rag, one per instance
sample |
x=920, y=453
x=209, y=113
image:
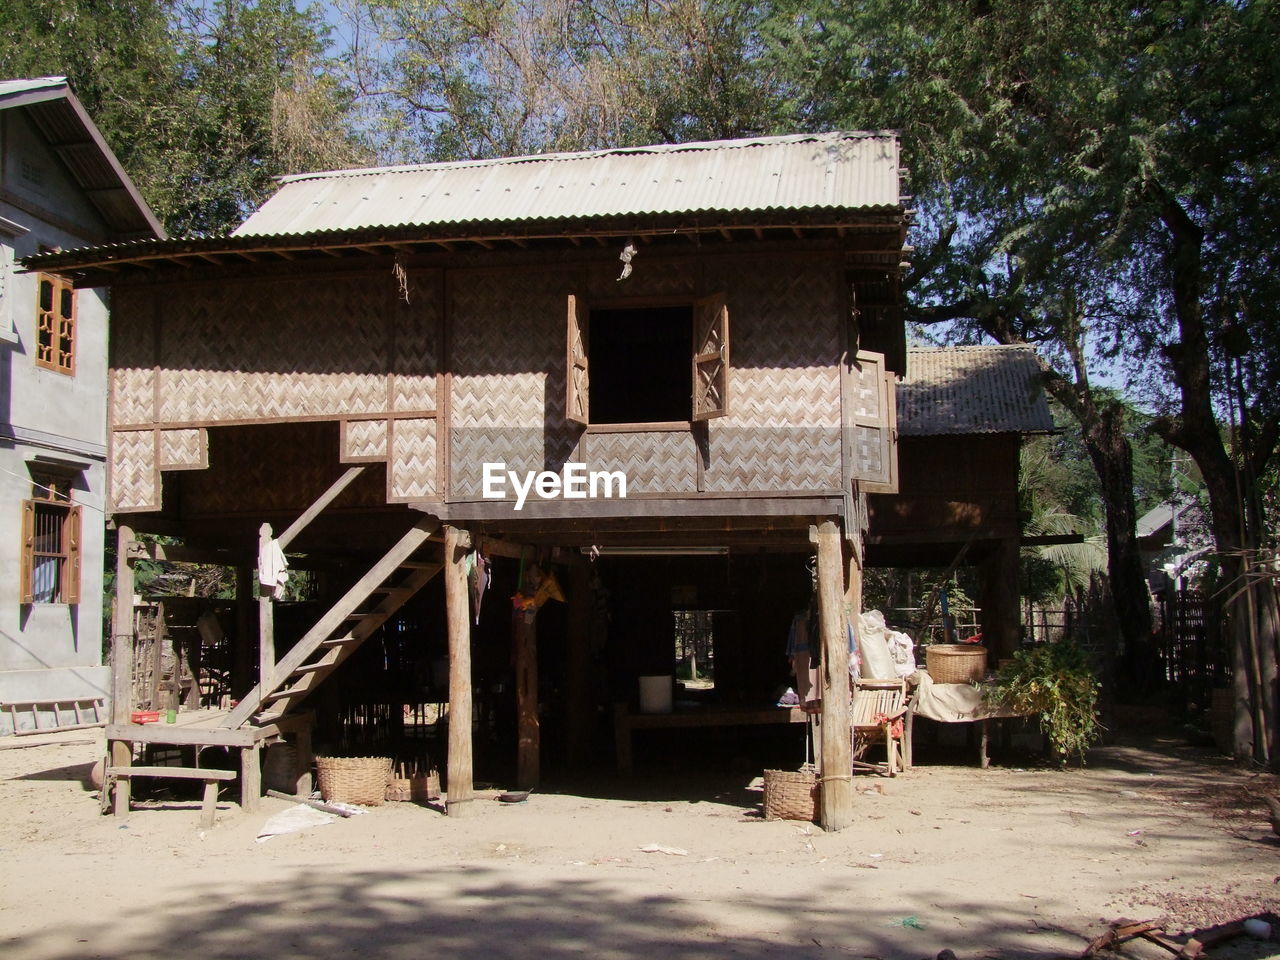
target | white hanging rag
x=273, y=568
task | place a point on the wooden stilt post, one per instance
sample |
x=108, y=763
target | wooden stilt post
x=250, y=777
x=458, y=615
x=1001, y=607
x=524, y=640
x=121, y=751
x=242, y=649
x=578, y=729
x=266, y=618
x=836, y=804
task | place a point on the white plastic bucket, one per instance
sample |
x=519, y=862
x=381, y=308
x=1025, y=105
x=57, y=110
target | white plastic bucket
x=655, y=694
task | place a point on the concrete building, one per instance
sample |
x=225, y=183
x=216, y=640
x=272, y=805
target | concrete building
x=60, y=188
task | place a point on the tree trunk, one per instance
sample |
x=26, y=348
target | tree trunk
x=1108, y=446
x=1255, y=627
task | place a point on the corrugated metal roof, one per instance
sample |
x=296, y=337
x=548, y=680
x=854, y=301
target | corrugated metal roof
x=839, y=171
x=72, y=135
x=958, y=390
x=10, y=87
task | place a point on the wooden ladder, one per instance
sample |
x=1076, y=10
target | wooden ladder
x=341, y=631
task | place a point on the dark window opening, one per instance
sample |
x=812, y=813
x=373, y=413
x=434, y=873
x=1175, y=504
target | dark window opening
x=640, y=369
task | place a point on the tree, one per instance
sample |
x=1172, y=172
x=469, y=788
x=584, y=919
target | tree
x=469, y=79
x=1098, y=179
x=204, y=102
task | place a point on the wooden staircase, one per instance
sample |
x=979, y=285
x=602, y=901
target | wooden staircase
x=339, y=633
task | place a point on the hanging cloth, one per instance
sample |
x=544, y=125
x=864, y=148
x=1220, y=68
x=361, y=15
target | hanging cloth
x=479, y=576
x=273, y=569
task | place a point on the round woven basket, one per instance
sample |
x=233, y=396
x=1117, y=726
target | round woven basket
x=360, y=780
x=956, y=662
x=790, y=795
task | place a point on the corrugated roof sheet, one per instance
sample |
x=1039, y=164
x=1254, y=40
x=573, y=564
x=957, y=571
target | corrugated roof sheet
x=958, y=390
x=72, y=135
x=840, y=171
x=11, y=87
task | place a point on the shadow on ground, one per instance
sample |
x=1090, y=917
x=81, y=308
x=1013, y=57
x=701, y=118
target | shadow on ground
x=481, y=913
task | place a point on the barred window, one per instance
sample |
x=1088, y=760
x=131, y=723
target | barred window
x=50, y=544
x=56, y=324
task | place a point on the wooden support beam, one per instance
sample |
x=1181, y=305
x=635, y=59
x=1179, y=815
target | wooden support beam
x=458, y=616
x=266, y=619
x=318, y=506
x=122, y=630
x=250, y=777
x=524, y=642
x=1001, y=607
x=580, y=714
x=242, y=645
x=836, y=794
x=121, y=752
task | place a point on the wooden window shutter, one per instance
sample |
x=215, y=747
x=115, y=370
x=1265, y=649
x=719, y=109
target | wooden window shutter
x=577, y=378
x=710, y=358
x=871, y=424
x=28, y=550
x=70, y=585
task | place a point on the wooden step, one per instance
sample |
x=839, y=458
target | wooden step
x=282, y=694
x=310, y=668
x=337, y=641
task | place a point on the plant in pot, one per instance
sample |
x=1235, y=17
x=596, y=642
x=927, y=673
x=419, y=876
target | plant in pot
x=1058, y=682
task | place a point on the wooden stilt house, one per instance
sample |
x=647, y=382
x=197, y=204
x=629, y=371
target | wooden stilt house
x=663, y=349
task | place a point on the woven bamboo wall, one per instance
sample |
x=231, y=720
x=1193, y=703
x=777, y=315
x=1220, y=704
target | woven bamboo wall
x=783, y=431
x=347, y=349
x=275, y=349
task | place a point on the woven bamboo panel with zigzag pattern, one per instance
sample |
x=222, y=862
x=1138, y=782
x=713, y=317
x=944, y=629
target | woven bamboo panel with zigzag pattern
x=783, y=428
x=508, y=356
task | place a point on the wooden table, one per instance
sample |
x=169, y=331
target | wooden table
x=202, y=728
x=625, y=723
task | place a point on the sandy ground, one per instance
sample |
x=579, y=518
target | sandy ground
x=988, y=863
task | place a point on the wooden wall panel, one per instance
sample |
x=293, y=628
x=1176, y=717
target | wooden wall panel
x=186, y=449
x=221, y=356
x=411, y=474
x=653, y=463
x=782, y=432
x=134, y=477
x=132, y=374
x=417, y=344
x=364, y=440
x=508, y=384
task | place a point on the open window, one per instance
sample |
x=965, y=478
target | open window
x=647, y=364
x=50, y=542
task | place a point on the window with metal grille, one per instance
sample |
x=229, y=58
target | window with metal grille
x=50, y=545
x=56, y=324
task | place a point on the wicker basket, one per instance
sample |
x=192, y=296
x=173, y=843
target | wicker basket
x=354, y=779
x=790, y=795
x=425, y=786
x=956, y=662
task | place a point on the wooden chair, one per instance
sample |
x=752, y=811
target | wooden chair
x=878, y=714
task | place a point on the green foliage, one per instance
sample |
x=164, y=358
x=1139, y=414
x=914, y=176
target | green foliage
x=1058, y=682
x=459, y=79
x=205, y=102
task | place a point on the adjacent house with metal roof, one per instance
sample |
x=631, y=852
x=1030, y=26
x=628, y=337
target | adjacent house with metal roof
x=60, y=187
x=663, y=376
x=961, y=415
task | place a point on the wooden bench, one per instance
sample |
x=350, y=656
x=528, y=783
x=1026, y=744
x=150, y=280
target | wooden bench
x=209, y=775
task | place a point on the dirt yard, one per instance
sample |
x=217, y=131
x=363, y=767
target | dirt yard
x=987, y=863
